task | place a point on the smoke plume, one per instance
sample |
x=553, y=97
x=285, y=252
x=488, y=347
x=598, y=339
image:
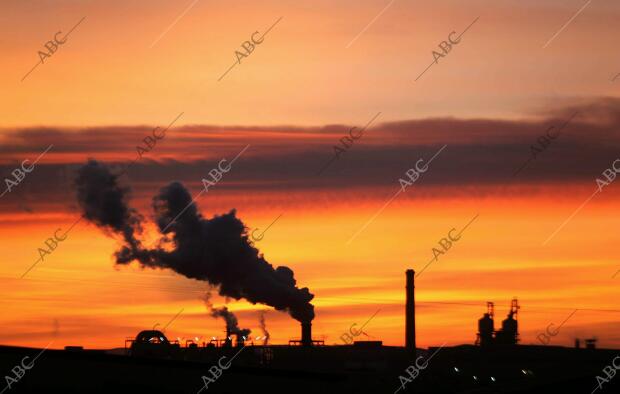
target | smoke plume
x=263, y=326
x=103, y=202
x=232, y=324
x=214, y=250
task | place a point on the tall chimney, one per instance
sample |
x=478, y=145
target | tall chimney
x=306, y=334
x=410, y=313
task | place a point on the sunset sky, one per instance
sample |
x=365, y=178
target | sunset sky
x=544, y=235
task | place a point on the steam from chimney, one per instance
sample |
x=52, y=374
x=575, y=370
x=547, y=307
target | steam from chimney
x=232, y=324
x=263, y=327
x=214, y=250
x=103, y=202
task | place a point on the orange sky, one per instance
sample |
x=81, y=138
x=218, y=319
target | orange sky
x=108, y=73
x=291, y=100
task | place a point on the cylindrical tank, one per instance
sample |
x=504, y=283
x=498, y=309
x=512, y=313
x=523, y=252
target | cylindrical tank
x=509, y=330
x=486, y=326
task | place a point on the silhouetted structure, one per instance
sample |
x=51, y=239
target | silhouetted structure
x=228, y=340
x=591, y=343
x=154, y=365
x=149, y=343
x=507, y=335
x=306, y=337
x=410, y=312
x=486, y=326
x=306, y=334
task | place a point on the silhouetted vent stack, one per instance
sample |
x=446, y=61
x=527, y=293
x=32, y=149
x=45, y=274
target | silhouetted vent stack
x=228, y=341
x=306, y=334
x=410, y=312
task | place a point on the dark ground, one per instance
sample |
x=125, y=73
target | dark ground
x=329, y=369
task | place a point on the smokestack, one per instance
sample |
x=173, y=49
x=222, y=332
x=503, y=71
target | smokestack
x=228, y=341
x=306, y=334
x=410, y=313
x=240, y=340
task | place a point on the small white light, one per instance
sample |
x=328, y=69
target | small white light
x=524, y=371
x=456, y=369
x=492, y=378
x=243, y=337
x=475, y=377
x=214, y=338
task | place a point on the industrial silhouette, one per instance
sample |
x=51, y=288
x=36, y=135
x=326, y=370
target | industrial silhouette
x=509, y=333
x=150, y=362
x=216, y=251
